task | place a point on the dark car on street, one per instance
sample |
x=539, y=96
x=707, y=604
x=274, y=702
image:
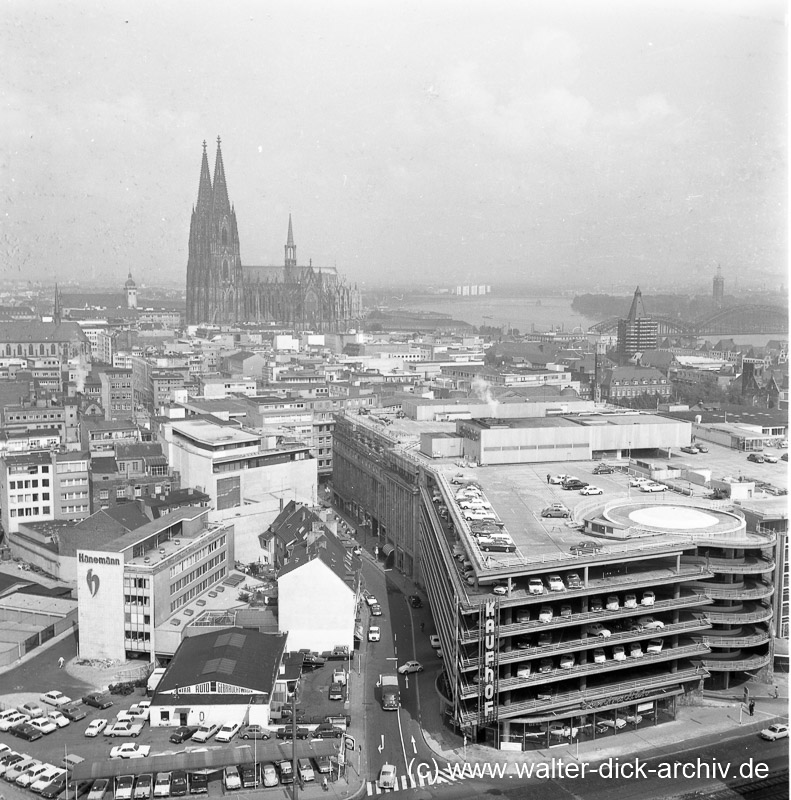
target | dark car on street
x=97, y=701
x=288, y=733
x=178, y=783
x=58, y=786
x=183, y=733
x=415, y=601
x=326, y=731
x=585, y=548
x=26, y=732
x=313, y=661
x=73, y=713
x=78, y=788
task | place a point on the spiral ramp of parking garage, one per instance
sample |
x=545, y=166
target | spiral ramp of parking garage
x=741, y=564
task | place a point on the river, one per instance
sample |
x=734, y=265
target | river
x=539, y=313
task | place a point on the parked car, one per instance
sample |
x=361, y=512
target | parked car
x=182, y=733
x=287, y=732
x=573, y=581
x=560, y=479
x=523, y=671
x=285, y=771
x=73, y=713
x=336, y=691
x=567, y=661
x=410, y=666
x=545, y=614
x=603, y=469
x=612, y=604
x=523, y=615
x=98, y=789
x=777, y=731
x=565, y=612
x=618, y=653
x=56, y=787
x=231, y=779
x=255, y=732
x=199, y=782
x=499, y=589
x=770, y=458
x=653, y=487
x=630, y=601
x=654, y=646
x=33, y=710
x=756, y=458
x=55, y=698
x=596, y=604
x=597, y=629
x=545, y=639
x=635, y=650
x=162, y=785
x=573, y=484
x=58, y=718
x=44, y=724
x=702, y=448
x=143, y=785
x=26, y=731
x=599, y=656
x=205, y=732
x=650, y=624
x=649, y=598
x=124, y=786
x=11, y=717
x=323, y=764
x=178, y=783
x=130, y=750
x=326, y=730
x=305, y=770
x=556, y=584
x=227, y=732
x=585, y=548
x=591, y=490
x=95, y=727
x=535, y=586
x=636, y=481
x=546, y=665
x=376, y=610
x=434, y=641
x=269, y=775
x=555, y=511
x=97, y=701
x=691, y=449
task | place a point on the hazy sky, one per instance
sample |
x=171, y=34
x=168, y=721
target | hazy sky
x=430, y=141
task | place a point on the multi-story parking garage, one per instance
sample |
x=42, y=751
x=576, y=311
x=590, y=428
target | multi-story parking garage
x=591, y=627
x=637, y=602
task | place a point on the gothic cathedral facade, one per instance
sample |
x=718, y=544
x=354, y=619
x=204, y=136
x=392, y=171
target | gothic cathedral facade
x=220, y=291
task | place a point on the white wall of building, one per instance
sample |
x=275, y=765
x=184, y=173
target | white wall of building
x=316, y=608
x=100, y=598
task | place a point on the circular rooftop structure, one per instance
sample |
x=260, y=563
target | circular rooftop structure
x=649, y=516
x=673, y=517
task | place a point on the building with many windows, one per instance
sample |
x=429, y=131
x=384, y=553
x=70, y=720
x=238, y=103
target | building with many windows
x=141, y=579
x=637, y=332
x=558, y=611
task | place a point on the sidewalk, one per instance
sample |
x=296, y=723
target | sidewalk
x=717, y=712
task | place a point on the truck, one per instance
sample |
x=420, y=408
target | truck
x=390, y=691
x=153, y=680
x=124, y=727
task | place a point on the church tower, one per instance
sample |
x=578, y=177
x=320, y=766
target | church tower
x=214, y=266
x=131, y=292
x=291, y=249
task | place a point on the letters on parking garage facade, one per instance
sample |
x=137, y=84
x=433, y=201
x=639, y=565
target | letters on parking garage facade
x=488, y=647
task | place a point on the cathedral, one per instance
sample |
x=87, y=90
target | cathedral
x=220, y=291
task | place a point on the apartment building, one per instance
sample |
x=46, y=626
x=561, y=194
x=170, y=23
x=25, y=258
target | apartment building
x=117, y=396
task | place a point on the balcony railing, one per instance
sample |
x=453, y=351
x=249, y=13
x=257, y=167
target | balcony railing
x=589, y=696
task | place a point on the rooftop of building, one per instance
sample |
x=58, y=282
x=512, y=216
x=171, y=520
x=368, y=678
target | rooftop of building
x=237, y=656
x=212, y=432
